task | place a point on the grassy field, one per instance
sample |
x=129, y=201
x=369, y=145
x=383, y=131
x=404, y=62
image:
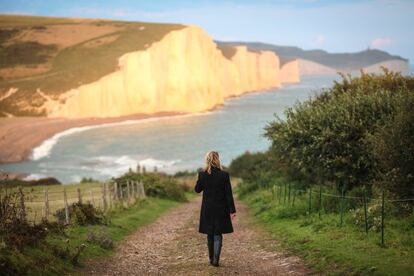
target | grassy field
x=327, y=246
x=52, y=256
x=69, y=64
x=35, y=197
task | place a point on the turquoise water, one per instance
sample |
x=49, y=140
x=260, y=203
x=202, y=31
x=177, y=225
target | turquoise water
x=170, y=144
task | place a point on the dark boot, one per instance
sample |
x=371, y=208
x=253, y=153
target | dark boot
x=210, y=244
x=218, y=241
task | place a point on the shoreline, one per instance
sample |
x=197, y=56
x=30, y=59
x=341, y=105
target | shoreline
x=19, y=136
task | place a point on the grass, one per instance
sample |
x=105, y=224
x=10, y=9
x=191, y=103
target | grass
x=51, y=257
x=7, y=21
x=330, y=248
x=34, y=197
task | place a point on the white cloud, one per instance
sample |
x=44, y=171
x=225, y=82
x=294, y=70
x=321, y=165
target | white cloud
x=320, y=39
x=381, y=42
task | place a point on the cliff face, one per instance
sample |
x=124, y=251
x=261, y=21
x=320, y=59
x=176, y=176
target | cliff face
x=395, y=65
x=184, y=72
x=307, y=67
x=289, y=72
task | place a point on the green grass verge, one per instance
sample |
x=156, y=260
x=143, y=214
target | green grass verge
x=329, y=248
x=48, y=258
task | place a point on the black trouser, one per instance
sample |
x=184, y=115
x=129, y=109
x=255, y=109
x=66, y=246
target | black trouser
x=214, y=243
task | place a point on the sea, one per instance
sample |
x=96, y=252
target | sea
x=168, y=144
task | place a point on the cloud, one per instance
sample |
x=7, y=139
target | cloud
x=320, y=39
x=381, y=42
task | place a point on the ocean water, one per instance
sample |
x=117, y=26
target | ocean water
x=170, y=144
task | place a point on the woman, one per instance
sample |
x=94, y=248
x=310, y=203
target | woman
x=217, y=206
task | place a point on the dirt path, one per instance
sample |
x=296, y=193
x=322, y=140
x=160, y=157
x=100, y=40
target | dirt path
x=173, y=246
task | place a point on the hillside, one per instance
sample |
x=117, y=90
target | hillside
x=44, y=56
x=338, y=61
x=59, y=67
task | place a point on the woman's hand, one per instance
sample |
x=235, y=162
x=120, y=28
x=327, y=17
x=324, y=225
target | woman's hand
x=233, y=215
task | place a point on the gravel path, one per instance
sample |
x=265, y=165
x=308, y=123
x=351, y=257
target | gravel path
x=173, y=246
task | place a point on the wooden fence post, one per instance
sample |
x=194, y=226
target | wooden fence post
x=105, y=204
x=284, y=198
x=46, y=198
x=116, y=198
x=128, y=193
x=65, y=201
x=142, y=190
x=110, y=196
x=22, y=205
x=79, y=196
x=121, y=193
x=365, y=212
x=92, y=199
x=273, y=192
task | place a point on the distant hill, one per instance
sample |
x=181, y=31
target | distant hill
x=340, y=61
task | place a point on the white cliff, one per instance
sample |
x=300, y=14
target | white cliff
x=183, y=72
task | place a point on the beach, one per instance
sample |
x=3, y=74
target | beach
x=20, y=135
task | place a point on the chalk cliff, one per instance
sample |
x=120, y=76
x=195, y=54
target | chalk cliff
x=184, y=72
x=289, y=72
x=307, y=67
x=395, y=65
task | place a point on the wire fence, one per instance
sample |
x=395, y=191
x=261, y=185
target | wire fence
x=368, y=211
x=42, y=204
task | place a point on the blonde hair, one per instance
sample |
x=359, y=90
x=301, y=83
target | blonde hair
x=212, y=160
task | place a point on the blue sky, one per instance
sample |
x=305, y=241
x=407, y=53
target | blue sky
x=336, y=26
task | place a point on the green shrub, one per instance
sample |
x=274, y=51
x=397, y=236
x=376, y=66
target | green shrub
x=345, y=136
x=81, y=214
x=15, y=230
x=156, y=185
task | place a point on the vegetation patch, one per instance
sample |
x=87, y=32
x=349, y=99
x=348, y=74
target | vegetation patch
x=28, y=53
x=336, y=185
x=58, y=247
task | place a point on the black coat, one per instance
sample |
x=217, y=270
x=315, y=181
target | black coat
x=217, y=204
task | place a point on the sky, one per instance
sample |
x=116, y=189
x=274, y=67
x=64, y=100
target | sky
x=335, y=26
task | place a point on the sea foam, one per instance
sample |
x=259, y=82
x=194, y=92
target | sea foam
x=44, y=149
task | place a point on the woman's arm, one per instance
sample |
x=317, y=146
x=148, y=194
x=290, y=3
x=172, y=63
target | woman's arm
x=200, y=184
x=229, y=195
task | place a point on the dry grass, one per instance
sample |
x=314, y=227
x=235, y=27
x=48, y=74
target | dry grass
x=65, y=35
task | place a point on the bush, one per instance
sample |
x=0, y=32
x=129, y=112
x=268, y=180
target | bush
x=156, y=185
x=341, y=136
x=15, y=231
x=81, y=214
x=393, y=150
x=14, y=182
